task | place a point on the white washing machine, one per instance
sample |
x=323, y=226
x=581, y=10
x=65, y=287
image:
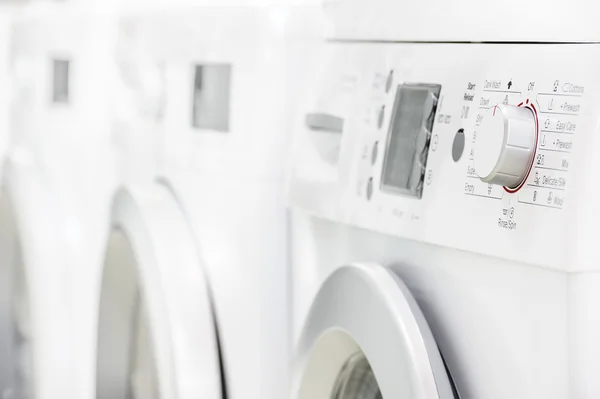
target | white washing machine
x=205, y=246
x=444, y=213
x=63, y=60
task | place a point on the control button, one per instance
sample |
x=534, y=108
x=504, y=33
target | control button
x=374, y=153
x=458, y=145
x=505, y=145
x=380, y=117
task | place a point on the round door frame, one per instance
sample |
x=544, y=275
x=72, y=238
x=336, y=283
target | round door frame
x=175, y=290
x=365, y=307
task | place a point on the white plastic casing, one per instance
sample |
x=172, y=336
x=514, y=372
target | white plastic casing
x=465, y=21
x=178, y=40
x=139, y=106
x=505, y=145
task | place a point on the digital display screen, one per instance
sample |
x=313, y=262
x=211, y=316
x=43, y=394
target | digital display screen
x=408, y=138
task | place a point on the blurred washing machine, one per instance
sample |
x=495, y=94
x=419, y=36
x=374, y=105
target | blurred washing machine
x=444, y=220
x=63, y=60
x=205, y=246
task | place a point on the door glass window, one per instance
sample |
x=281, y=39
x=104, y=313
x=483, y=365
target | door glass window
x=356, y=380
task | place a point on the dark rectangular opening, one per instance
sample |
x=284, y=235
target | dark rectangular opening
x=212, y=92
x=60, y=81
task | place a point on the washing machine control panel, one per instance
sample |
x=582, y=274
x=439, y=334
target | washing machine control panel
x=487, y=148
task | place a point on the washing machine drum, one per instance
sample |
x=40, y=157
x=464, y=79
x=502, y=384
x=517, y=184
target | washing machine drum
x=157, y=336
x=366, y=338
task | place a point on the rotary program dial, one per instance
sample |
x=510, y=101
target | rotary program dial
x=505, y=145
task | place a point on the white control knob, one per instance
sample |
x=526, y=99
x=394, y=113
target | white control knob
x=505, y=145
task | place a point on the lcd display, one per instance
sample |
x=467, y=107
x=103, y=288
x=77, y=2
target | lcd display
x=408, y=138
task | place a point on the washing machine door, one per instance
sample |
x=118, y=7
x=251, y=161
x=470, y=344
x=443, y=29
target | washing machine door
x=366, y=338
x=156, y=331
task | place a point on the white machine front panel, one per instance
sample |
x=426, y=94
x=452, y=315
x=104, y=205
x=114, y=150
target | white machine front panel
x=342, y=176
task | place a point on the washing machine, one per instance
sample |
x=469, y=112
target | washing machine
x=443, y=206
x=63, y=63
x=195, y=281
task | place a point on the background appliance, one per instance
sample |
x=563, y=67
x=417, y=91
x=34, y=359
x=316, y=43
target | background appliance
x=224, y=153
x=63, y=59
